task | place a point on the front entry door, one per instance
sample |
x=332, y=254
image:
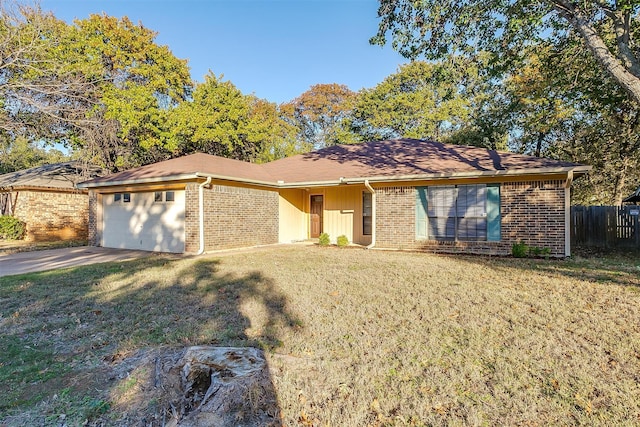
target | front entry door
x=316, y=215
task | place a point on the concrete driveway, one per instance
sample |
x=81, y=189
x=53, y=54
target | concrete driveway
x=51, y=259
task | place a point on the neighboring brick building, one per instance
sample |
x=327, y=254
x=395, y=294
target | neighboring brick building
x=46, y=199
x=404, y=194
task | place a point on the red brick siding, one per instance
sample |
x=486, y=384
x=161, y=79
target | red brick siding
x=532, y=212
x=234, y=217
x=191, y=225
x=53, y=215
x=395, y=217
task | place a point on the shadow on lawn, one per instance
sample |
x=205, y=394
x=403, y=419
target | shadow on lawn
x=94, y=321
x=606, y=269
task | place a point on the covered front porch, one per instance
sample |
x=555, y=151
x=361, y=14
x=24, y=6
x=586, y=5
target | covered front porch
x=305, y=213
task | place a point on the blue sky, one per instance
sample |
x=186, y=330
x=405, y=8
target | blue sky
x=275, y=49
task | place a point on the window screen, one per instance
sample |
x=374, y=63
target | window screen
x=455, y=212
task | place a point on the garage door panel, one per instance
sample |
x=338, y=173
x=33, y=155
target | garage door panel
x=143, y=223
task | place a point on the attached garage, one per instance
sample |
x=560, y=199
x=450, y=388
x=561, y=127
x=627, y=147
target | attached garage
x=150, y=221
x=374, y=194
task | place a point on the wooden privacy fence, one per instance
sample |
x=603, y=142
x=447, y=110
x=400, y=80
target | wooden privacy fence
x=605, y=226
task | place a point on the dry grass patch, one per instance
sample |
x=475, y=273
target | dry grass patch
x=353, y=337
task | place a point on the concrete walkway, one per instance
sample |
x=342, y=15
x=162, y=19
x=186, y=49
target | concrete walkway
x=51, y=259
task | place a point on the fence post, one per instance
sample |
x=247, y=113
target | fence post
x=636, y=230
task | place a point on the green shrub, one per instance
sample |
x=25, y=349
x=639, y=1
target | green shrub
x=11, y=228
x=324, y=239
x=342, y=241
x=539, y=252
x=519, y=250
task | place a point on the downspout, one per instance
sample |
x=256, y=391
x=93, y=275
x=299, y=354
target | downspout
x=567, y=214
x=373, y=213
x=201, y=213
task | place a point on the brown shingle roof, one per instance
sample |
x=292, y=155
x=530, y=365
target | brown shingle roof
x=61, y=176
x=188, y=167
x=389, y=159
x=403, y=157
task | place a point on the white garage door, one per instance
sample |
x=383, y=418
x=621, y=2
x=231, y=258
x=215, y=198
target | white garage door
x=152, y=221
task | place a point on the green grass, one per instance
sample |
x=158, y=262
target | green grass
x=352, y=337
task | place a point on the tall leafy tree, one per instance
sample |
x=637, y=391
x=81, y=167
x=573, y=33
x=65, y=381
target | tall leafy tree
x=538, y=108
x=137, y=81
x=101, y=85
x=19, y=153
x=274, y=136
x=420, y=100
x=566, y=107
x=320, y=112
x=220, y=120
x=603, y=131
x=436, y=28
x=42, y=93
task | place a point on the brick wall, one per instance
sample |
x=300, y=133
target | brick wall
x=53, y=215
x=94, y=224
x=395, y=217
x=234, y=217
x=532, y=212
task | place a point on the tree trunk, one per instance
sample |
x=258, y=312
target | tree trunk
x=541, y=136
x=628, y=81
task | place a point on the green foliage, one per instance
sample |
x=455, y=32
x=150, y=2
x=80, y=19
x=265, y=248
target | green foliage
x=505, y=29
x=519, y=250
x=320, y=114
x=136, y=82
x=324, y=239
x=101, y=85
x=421, y=100
x=342, y=241
x=435, y=27
x=593, y=123
x=539, y=252
x=11, y=228
x=220, y=120
x=19, y=153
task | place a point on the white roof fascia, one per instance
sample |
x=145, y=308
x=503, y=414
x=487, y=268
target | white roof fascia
x=159, y=179
x=440, y=176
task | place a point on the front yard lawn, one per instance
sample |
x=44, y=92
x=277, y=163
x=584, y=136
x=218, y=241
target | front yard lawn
x=352, y=337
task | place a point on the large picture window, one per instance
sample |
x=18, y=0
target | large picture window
x=458, y=212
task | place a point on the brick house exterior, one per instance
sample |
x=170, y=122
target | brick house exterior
x=46, y=200
x=532, y=212
x=53, y=215
x=236, y=217
x=401, y=194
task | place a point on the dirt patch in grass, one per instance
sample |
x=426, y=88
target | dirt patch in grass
x=352, y=337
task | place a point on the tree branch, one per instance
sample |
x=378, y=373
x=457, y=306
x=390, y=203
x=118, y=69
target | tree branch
x=628, y=78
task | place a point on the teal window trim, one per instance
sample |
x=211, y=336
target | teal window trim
x=493, y=214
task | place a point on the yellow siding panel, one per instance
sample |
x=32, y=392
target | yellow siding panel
x=292, y=216
x=343, y=213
